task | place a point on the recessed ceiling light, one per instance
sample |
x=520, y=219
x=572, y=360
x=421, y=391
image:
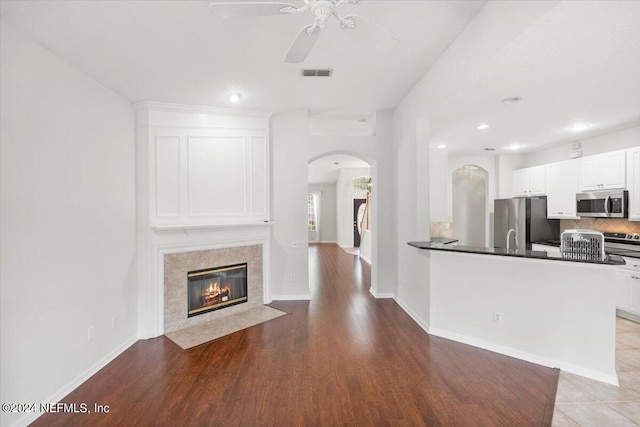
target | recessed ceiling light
x=511, y=99
x=579, y=127
x=483, y=126
x=514, y=147
x=442, y=146
x=235, y=97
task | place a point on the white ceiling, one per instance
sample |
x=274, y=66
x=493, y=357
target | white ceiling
x=580, y=61
x=182, y=52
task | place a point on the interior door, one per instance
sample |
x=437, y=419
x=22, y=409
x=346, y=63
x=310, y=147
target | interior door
x=358, y=208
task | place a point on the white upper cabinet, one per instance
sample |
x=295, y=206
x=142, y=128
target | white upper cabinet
x=529, y=181
x=633, y=182
x=562, y=186
x=603, y=172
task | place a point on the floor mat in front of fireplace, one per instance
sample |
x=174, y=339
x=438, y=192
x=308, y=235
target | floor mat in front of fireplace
x=208, y=331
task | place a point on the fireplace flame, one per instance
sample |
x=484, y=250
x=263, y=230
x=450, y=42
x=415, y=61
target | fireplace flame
x=214, y=294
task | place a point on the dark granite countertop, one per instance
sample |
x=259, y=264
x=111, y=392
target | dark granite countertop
x=609, y=260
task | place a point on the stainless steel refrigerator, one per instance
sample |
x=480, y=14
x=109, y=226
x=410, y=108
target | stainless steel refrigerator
x=522, y=220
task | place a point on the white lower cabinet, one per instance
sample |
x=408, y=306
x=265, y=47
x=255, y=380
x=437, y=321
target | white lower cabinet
x=628, y=286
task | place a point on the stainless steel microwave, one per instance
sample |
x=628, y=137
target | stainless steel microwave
x=603, y=204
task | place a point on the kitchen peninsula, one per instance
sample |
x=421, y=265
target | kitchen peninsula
x=526, y=304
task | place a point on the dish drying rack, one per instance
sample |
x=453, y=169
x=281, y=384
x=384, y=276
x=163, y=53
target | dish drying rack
x=582, y=245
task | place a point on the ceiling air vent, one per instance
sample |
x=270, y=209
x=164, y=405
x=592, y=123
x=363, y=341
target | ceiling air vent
x=327, y=72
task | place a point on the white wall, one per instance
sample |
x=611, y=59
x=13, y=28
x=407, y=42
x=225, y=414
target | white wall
x=539, y=323
x=289, y=166
x=327, y=214
x=487, y=34
x=67, y=224
x=505, y=164
x=618, y=140
x=439, y=203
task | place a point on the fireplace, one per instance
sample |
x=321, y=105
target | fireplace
x=215, y=288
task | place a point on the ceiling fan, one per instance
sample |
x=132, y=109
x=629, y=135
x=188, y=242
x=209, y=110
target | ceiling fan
x=323, y=11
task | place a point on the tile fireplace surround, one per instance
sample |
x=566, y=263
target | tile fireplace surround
x=176, y=267
x=174, y=251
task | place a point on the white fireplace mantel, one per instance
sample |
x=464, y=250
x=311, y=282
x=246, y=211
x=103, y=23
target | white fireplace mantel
x=191, y=240
x=186, y=227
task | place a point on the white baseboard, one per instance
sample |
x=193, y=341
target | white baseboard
x=305, y=297
x=381, y=294
x=528, y=357
x=424, y=325
x=77, y=381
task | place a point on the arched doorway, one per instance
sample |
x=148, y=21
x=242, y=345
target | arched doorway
x=338, y=184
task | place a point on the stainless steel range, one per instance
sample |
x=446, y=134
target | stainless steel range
x=622, y=244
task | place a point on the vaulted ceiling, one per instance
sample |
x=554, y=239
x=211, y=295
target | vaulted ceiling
x=580, y=61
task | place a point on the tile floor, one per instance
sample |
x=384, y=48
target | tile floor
x=584, y=402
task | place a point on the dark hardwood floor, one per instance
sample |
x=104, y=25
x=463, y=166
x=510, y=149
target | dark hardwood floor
x=343, y=358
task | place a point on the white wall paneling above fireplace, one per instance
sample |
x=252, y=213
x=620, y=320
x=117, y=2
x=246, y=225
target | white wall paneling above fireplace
x=209, y=176
x=210, y=168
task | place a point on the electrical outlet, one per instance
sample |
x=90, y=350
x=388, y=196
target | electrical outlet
x=295, y=244
x=447, y=226
x=497, y=317
x=90, y=333
x=114, y=321
x=292, y=278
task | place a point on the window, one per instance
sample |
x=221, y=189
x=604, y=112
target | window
x=311, y=212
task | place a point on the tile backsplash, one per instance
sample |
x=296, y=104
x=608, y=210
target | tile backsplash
x=601, y=224
x=442, y=229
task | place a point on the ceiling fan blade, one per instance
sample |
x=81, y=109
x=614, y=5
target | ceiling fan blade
x=229, y=9
x=370, y=33
x=302, y=44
